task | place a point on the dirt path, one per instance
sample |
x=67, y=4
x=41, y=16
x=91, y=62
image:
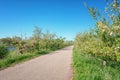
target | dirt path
x=53, y=66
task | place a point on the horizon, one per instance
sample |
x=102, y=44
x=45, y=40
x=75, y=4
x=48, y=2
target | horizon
x=66, y=18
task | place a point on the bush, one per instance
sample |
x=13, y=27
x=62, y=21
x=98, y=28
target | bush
x=3, y=50
x=104, y=40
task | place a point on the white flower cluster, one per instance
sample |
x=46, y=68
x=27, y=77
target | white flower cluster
x=111, y=33
x=103, y=30
x=117, y=47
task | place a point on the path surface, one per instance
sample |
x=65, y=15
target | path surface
x=53, y=66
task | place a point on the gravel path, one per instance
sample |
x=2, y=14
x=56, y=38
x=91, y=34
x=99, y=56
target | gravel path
x=53, y=66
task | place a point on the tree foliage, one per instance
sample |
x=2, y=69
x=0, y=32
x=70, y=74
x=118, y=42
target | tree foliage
x=38, y=41
x=104, y=40
x=3, y=50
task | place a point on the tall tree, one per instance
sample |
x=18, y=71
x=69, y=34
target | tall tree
x=37, y=33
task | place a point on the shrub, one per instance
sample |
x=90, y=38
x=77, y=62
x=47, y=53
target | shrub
x=3, y=50
x=104, y=40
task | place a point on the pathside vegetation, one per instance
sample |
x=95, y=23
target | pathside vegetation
x=17, y=49
x=97, y=52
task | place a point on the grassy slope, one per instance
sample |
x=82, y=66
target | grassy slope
x=91, y=68
x=14, y=58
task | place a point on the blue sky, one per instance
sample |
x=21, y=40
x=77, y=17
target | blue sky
x=64, y=17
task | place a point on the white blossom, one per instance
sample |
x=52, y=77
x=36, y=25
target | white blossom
x=103, y=30
x=104, y=26
x=118, y=47
x=111, y=33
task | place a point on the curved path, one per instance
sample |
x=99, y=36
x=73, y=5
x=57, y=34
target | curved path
x=53, y=66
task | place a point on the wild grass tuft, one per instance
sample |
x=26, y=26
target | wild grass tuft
x=88, y=67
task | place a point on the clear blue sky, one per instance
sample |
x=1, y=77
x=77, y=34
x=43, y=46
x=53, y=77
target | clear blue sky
x=64, y=17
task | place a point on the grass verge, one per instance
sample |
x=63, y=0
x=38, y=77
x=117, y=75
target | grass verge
x=87, y=67
x=14, y=58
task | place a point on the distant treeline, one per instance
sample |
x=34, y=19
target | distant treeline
x=38, y=41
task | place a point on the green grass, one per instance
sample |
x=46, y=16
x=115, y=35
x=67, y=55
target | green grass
x=87, y=67
x=14, y=58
